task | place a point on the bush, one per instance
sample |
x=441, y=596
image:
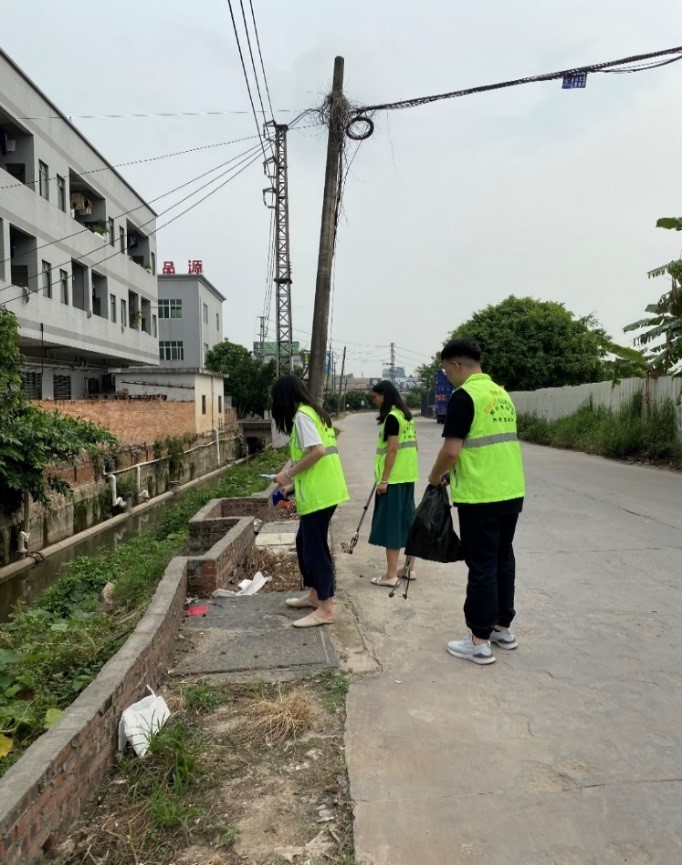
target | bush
x=628, y=433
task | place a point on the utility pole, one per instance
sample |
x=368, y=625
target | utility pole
x=279, y=174
x=391, y=368
x=343, y=366
x=318, y=344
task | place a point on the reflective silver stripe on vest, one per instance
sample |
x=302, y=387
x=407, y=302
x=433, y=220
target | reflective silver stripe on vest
x=402, y=445
x=497, y=439
x=331, y=450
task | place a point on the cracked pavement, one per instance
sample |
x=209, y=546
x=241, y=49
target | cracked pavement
x=567, y=751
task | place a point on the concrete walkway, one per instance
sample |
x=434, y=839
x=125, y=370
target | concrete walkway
x=567, y=751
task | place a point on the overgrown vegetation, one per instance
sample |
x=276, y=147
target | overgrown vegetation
x=51, y=651
x=32, y=440
x=629, y=433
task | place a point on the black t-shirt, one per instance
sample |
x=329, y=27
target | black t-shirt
x=458, y=421
x=391, y=426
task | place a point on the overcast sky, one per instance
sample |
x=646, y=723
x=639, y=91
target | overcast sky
x=449, y=207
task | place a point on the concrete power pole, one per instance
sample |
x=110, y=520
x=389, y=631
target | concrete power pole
x=343, y=366
x=318, y=344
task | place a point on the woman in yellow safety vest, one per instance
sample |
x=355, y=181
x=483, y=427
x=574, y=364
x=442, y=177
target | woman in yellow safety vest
x=396, y=469
x=317, y=479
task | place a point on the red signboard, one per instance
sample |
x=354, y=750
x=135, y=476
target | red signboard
x=195, y=265
x=169, y=267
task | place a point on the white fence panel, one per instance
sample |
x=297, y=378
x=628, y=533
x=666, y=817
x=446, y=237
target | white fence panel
x=555, y=402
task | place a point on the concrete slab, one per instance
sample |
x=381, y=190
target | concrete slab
x=254, y=634
x=567, y=750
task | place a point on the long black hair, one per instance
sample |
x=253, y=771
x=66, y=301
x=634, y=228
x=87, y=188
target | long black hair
x=392, y=399
x=288, y=393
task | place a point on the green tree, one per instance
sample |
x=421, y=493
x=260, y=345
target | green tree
x=33, y=441
x=529, y=344
x=663, y=334
x=249, y=381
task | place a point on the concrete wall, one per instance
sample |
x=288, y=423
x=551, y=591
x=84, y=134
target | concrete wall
x=47, y=323
x=91, y=502
x=191, y=329
x=555, y=402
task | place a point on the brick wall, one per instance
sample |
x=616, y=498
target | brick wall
x=42, y=794
x=212, y=570
x=131, y=421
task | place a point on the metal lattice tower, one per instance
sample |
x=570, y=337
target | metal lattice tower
x=276, y=168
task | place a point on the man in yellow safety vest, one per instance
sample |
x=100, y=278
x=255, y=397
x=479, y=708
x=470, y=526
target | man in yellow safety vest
x=481, y=452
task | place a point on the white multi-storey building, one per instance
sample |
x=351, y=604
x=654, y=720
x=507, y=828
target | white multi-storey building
x=77, y=250
x=190, y=319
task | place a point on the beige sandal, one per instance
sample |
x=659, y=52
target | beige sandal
x=389, y=584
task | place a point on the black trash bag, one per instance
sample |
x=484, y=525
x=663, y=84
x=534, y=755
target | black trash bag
x=432, y=535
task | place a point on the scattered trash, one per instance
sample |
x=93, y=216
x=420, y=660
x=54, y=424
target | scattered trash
x=398, y=681
x=108, y=595
x=224, y=593
x=250, y=587
x=197, y=610
x=139, y=721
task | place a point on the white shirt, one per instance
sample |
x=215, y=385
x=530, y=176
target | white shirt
x=306, y=431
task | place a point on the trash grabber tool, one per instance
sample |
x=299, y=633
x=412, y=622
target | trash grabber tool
x=348, y=548
x=405, y=575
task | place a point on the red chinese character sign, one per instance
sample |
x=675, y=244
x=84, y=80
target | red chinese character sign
x=169, y=268
x=195, y=265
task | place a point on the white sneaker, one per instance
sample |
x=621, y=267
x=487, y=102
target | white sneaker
x=469, y=651
x=504, y=639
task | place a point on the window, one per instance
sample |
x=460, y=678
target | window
x=47, y=278
x=32, y=383
x=122, y=239
x=171, y=350
x=205, y=351
x=61, y=193
x=112, y=240
x=203, y=403
x=113, y=308
x=217, y=321
x=152, y=263
x=61, y=385
x=64, y=287
x=220, y=405
x=43, y=180
x=154, y=334
x=205, y=314
x=123, y=313
x=170, y=308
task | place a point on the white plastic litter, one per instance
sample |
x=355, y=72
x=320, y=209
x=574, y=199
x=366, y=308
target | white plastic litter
x=224, y=593
x=250, y=587
x=140, y=720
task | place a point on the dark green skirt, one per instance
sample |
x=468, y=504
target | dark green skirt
x=392, y=516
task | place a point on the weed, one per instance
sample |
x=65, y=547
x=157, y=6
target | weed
x=228, y=834
x=333, y=688
x=277, y=719
x=204, y=697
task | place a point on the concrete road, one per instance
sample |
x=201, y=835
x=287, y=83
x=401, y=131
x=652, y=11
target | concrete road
x=567, y=751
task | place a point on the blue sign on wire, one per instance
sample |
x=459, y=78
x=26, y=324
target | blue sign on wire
x=573, y=82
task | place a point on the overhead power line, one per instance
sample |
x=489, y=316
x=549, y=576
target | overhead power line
x=253, y=62
x=260, y=54
x=246, y=77
x=194, y=179
x=146, y=114
x=608, y=66
x=250, y=158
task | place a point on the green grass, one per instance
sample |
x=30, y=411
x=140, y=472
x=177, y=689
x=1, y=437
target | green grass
x=50, y=652
x=333, y=689
x=204, y=697
x=628, y=433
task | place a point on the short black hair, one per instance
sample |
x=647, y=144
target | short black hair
x=463, y=346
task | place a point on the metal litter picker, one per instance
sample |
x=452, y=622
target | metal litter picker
x=348, y=548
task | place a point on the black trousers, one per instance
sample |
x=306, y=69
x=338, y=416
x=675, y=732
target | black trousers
x=314, y=557
x=487, y=538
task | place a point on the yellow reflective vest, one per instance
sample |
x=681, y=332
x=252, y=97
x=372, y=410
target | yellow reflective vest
x=489, y=467
x=406, y=466
x=323, y=484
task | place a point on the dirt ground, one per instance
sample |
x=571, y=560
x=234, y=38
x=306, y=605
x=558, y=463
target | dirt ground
x=268, y=781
